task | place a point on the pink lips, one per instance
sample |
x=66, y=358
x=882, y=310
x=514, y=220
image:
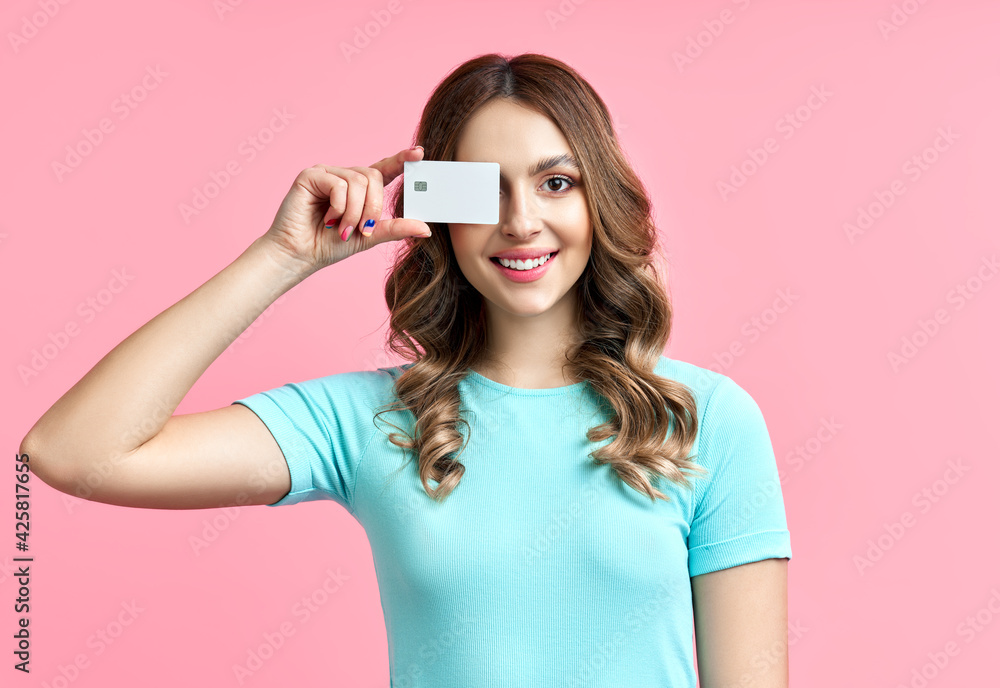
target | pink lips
x=525, y=275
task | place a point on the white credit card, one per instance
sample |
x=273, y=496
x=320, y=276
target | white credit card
x=449, y=191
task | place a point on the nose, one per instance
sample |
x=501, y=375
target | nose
x=519, y=215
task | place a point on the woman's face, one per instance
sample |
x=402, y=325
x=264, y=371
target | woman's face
x=543, y=209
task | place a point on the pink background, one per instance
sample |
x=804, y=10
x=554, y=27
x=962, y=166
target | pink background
x=822, y=361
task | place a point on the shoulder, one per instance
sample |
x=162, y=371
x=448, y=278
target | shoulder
x=720, y=400
x=361, y=388
x=395, y=371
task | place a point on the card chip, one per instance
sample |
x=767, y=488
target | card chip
x=420, y=186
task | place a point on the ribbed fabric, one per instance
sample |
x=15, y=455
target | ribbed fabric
x=541, y=568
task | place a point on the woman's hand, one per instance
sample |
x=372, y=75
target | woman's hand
x=321, y=220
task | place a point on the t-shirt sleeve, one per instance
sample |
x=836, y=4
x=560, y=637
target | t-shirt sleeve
x=323, y=428
x=738, y=511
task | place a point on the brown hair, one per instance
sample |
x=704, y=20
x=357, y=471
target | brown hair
x=624, y=312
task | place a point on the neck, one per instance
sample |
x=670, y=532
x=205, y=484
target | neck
x=530, y=351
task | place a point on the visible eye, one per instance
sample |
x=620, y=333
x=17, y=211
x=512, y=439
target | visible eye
x=569, y=183
x=560, y=178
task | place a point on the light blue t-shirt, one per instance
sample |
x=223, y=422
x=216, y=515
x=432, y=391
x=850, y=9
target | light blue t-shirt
x=541, y=568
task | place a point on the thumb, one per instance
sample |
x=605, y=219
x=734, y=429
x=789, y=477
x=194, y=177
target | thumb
x=399, y=228
x=392, y=166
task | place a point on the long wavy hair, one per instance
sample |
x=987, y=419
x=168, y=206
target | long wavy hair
x=438, y=319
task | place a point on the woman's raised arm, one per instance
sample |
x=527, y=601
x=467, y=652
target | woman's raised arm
x=113, y=437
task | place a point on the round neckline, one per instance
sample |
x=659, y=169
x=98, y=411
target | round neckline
x=524, y=391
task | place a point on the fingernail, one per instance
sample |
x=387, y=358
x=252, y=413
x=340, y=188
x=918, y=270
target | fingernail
x=329, y=224
x=346, y=233
x=368, y=223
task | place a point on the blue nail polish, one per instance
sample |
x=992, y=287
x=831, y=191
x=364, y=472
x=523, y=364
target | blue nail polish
x=369, y=223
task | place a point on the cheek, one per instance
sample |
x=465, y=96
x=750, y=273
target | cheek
x=578, y=225
x=465, y=251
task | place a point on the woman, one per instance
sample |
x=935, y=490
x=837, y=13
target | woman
x=520, y=545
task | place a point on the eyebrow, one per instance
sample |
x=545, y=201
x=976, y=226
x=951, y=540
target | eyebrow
x=566, y=159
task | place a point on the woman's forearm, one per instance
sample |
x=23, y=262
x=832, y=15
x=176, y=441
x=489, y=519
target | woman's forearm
x=129, y=395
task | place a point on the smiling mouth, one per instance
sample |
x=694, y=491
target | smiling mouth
x=512, y=264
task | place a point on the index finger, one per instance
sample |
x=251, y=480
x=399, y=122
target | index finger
x=392, y=166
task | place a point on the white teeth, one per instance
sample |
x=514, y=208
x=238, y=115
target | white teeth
x=524, y=265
